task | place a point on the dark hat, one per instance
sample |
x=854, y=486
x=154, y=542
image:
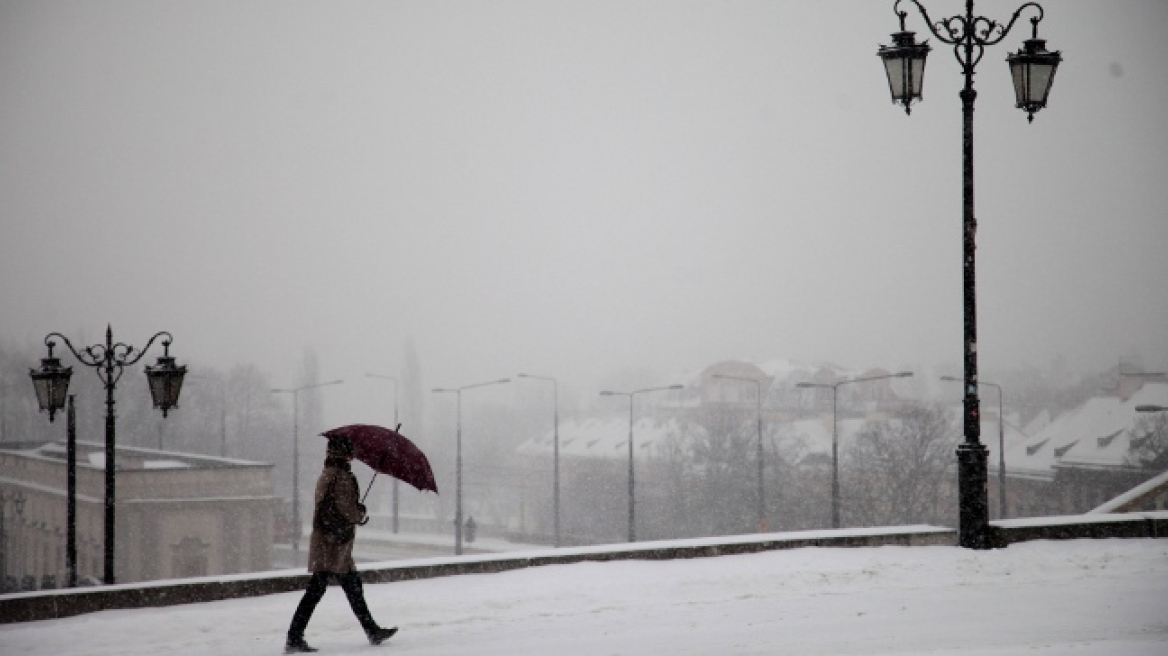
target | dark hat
x=340, y=446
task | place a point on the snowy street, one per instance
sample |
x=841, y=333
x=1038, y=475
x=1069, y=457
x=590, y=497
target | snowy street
x=1076, y=597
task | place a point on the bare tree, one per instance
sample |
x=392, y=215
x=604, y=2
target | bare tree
x=1148, y=442
x=902, y=470
x=723, y=451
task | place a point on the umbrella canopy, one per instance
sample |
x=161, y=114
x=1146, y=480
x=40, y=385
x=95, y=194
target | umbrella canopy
x=389, y=452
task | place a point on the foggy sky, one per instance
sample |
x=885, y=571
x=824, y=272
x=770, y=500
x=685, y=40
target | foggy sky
x=572, y=188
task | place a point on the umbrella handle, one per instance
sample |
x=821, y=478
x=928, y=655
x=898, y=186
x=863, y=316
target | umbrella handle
x=369, y=487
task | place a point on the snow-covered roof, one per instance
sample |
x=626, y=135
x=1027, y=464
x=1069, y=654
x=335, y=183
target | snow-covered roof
x=1095, y=434
x=1011, y=435
x=605, y=438
x=815, y=434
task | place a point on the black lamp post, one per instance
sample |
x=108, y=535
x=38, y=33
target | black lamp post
x=296, y=523
x=555, y=453
x=1001, y=445
x=51, y=383
x=458, y=456
x=396, y=424
x=632, y=487
x=1032, y=69
x=834, y=387
x=17, y=499
x=762, y=523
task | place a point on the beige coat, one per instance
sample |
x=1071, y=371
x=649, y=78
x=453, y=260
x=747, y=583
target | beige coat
x=325, y=555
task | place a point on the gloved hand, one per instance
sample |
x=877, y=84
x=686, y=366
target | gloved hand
x=364, y=515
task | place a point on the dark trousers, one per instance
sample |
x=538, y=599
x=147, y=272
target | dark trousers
x=350, y=583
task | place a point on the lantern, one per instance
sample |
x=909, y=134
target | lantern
x=1033, y=69
x=904, y=61
x=51, y=383
x=165, y=381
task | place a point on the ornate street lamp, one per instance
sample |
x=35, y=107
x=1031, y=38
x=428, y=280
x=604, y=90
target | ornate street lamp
x=51, y=383
x=1001, y=445
x=1033, y=70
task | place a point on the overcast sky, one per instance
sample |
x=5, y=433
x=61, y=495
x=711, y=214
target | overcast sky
x=573, y=188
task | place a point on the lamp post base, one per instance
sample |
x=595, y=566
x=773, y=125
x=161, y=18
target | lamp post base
x=972, y=470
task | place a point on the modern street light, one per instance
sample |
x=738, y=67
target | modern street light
x=295, y=392
x=632, y=488
x=51, y=383
x=1151, y=408
x=1032, y=69
x=1001, y=445
x=762, y=523
x=396, y=424
x=458, y=456
x=555, y=453
x=834, y=387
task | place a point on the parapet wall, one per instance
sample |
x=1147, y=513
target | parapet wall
x=51, y=604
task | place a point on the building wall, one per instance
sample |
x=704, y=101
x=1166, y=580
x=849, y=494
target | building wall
x=207, y=517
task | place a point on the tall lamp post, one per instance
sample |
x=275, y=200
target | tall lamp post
x=1032, y=69
x=395, y=423
x=458, y=456
x=834, y=387
x=51, y=383
x=762, y=523
x=555, y=453
x=1001, y=445
x=295, y=392
x=632, y=487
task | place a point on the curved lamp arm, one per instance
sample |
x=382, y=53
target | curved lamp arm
x=973, y=33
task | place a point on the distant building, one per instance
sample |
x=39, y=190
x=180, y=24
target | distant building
x=178, y=515
x=1080, y=460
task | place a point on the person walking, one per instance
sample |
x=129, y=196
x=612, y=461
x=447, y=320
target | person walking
x=335, y=516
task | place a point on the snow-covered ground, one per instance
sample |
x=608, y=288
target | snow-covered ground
x=1097, y=597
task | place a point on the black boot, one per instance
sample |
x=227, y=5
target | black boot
x=380, y=635
x=355, y=592
x=296, y=645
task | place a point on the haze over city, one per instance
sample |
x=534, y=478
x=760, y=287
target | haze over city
x=598, y=191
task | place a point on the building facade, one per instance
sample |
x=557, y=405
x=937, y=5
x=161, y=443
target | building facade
x=177, y=515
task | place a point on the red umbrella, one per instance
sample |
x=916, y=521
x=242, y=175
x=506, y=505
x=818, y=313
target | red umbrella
x=388, y=452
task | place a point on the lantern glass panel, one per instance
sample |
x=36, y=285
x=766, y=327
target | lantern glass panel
x=896, y=77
